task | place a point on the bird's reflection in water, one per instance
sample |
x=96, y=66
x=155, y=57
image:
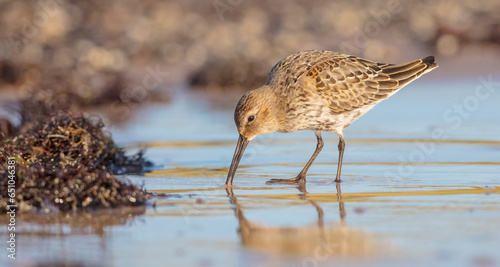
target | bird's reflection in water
x=320, y=240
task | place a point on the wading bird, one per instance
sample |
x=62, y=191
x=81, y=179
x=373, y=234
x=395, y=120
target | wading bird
x=318, y=91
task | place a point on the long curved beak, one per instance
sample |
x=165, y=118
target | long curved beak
x=240, y=148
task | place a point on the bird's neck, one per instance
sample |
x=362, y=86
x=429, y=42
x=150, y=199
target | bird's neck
x=276, y=107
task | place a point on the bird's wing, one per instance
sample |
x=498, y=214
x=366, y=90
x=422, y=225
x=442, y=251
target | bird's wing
x=349, y=82
x=288, y=70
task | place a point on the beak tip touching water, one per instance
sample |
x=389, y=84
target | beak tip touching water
x=238, y=153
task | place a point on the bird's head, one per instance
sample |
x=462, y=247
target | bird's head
x=253, y=117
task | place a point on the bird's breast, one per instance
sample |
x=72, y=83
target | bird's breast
x=309, y=115
x=319, y=117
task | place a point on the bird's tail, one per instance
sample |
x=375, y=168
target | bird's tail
x=407, y=72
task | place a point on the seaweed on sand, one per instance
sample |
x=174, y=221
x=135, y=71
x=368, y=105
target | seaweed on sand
x=66, y=162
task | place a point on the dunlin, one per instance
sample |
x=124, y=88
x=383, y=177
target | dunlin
x=318, y=91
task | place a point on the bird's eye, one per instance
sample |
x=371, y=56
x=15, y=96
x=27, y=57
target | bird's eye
x=251, y=118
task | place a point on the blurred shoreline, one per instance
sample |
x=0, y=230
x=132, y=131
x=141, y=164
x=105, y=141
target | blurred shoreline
x=232, y=45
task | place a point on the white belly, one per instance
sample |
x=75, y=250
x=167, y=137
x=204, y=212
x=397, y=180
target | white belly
x=321, y=118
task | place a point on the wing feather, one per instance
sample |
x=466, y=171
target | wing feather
x=345, y=82
x=348, y=82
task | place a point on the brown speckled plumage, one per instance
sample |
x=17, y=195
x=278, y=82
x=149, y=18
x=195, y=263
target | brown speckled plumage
x=320, y=91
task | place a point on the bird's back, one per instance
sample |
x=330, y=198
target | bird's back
x=319, y=82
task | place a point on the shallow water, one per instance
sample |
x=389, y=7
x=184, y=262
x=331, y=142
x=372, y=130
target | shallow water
x=421, y=186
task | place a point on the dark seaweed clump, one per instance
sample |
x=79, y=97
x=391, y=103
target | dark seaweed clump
x=65, y=162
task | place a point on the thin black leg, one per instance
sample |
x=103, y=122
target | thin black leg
x=341, y=156
x=301, y=177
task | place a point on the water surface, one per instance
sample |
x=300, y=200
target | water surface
x=421, y=186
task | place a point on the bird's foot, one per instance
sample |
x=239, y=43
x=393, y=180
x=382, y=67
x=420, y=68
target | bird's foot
x=297, y=180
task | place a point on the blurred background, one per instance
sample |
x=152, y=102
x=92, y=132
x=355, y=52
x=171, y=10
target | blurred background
x=167, y=75
x=99, y=50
